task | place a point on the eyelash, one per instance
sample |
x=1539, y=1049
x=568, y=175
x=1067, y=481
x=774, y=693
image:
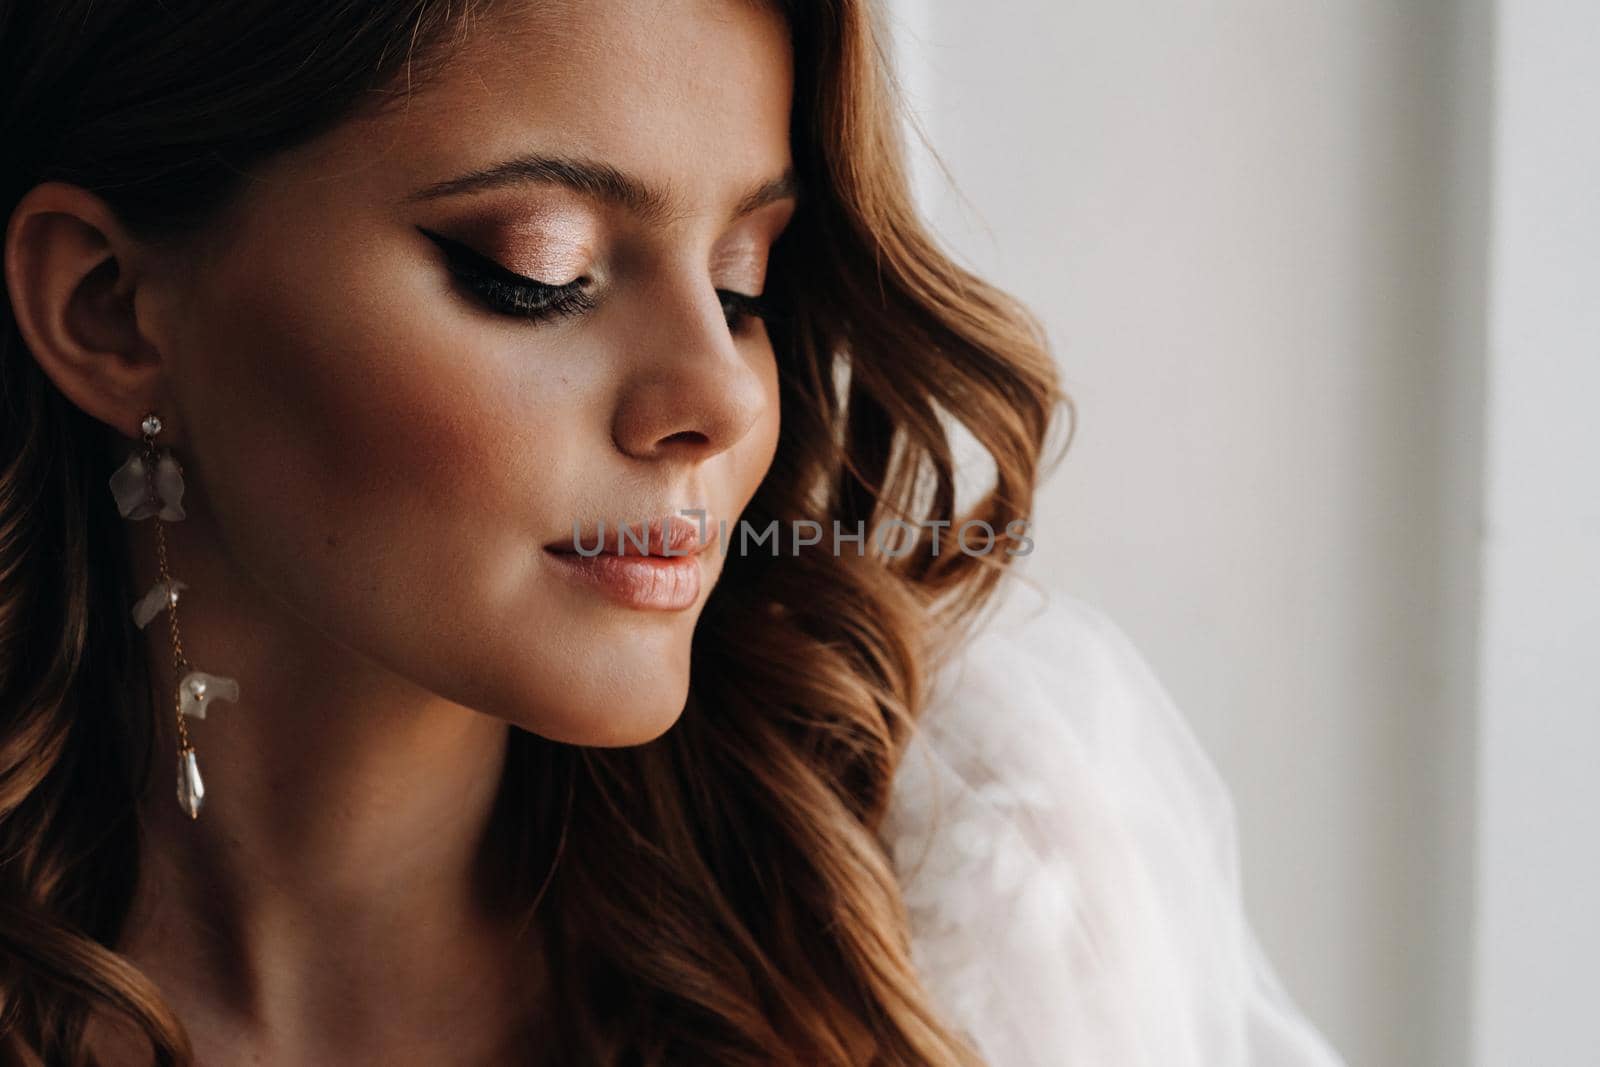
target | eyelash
x=508, y=293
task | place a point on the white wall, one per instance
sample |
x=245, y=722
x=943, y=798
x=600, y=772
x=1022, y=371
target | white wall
x=1539, y=857
x=1257, y=232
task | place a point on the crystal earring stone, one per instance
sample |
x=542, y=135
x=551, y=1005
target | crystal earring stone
x=139, y=495
x=191, y=789
x=161, y=595
x=198, y=689
x=131, y=486
x=169, y=487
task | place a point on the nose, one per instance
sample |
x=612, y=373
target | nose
x=691, y=389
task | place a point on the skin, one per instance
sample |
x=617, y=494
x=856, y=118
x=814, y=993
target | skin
x=374, y=460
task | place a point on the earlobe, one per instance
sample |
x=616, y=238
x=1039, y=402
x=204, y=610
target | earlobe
x=70, y=276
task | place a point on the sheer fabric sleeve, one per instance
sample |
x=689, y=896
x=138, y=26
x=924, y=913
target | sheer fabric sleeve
x=1067, y=857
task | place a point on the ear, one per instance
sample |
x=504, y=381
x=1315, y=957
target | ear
x=72, y=273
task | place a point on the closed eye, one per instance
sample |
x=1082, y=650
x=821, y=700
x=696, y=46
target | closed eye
x=505, y=291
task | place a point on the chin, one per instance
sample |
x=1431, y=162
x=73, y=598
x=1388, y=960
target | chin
x=610, y=719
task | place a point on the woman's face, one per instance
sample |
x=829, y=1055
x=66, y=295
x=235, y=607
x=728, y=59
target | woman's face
x=387, y=444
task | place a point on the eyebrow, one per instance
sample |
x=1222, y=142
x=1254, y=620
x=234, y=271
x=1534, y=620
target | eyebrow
x=604, y=182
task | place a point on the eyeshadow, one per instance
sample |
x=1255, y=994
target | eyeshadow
x=553, y=246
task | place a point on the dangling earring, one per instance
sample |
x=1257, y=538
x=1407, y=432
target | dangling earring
x=150, y=483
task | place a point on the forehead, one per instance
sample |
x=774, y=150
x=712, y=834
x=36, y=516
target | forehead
x=692, y=96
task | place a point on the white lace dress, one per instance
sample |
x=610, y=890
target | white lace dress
x=1067, y=854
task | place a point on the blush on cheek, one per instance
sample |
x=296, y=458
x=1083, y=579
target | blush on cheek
x=361, y=403
x=342, y=446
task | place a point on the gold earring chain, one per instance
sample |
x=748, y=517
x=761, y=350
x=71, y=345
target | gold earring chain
x=180, y=663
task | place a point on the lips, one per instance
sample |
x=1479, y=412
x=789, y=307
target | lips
x=668, y=537
x=648, y=564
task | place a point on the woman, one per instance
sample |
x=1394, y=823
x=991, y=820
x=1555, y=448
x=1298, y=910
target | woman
x=337, y=337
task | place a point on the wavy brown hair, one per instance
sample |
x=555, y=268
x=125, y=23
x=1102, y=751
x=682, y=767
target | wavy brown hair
x=718, y=896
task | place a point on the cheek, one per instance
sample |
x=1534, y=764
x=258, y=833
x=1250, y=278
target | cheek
x=385, y=470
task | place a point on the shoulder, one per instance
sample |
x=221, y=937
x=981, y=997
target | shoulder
x=1067, y=858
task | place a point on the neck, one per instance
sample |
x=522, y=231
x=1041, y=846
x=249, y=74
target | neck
x=331, y=889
